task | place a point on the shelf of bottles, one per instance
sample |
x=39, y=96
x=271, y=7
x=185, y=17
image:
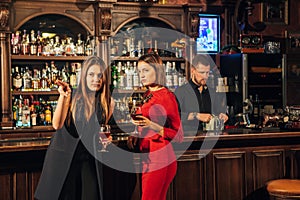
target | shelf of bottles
x=265, y=72
x=125, y=82
x=35, y=44
x=37, y=62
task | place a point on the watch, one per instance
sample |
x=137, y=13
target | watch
x=195, y=115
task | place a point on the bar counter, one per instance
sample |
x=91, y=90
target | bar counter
x=232, y=164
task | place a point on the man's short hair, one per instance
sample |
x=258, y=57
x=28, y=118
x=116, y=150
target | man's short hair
x=202, y=59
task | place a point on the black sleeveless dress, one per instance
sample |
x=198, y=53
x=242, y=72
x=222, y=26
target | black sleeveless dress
x=84, y=178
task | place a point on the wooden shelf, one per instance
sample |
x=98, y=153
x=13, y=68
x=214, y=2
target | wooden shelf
x=121, y=91
x=52, y=92
x=27, y=57
x=264, y=86
x=127, y=58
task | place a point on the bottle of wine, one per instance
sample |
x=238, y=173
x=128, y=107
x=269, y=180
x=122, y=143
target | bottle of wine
x=79, y=46
x=73, y=77
x=27, y=78
x=33, y=43
x=25, y=44
x=17, y=80
x=26, y=114
x=256, y=111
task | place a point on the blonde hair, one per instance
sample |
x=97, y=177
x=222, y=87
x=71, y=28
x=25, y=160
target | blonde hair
x=88, y=105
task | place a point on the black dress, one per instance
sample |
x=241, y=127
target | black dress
x=83, y=180
x=70, y=170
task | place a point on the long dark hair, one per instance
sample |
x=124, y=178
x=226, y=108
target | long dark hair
x=88, y=105
x=155, y=61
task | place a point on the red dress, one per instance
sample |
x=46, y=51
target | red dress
x=158, y=158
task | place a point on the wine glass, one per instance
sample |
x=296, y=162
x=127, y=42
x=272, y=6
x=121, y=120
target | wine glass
x=135, y=110
x=104, y=134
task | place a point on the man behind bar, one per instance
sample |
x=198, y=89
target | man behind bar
x=198, y=100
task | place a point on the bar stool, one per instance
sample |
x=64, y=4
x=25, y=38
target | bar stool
x=284, y=189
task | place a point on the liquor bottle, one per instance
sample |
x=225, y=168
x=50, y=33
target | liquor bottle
x=113, y=47
x=51, y=47
x=33, y=115
x=41, y=112
x=63, y=46
x=129, y=76
x=114, y=76
x=37, y=110
x=256, y=110
x=35, y=82
x=69, y=47
x=57, y=46
x=155, y=47
x=17, y=80
x=169, y=76
x=46, y=47
x=122, y=76
x=73, y=77
x=12, y=42
x=26, y=114
x=78, y=72
x=25, y=43
x=236, y=84
x=89, y=46
x=175, y=76
x=53, y=75
x=132, y=51
x=79, y=46
x=15, y=43
x=33, y=43
x=39, y=44
x=136, y=78
x=27, y=78
x=48, y=114
x=64, y=73
x=19, y=123
x=140, y=51
x=15, y=111
x=44, y=81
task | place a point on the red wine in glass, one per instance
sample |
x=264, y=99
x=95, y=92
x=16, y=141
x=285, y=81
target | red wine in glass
x=104, y=134
x=134, y=116
x=135, y=111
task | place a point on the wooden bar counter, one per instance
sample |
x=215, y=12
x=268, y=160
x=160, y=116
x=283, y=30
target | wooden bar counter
x=228, y=165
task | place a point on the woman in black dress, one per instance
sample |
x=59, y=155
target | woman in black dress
x=71, y=170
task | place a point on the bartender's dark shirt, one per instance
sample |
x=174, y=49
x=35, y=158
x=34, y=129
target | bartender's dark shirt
x=203, y=98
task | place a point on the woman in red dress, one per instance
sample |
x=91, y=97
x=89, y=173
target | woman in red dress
x=158, y=126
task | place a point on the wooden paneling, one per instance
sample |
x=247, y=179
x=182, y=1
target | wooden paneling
x=267, y=165
x=5, y=186
x=229, y=175
x=295, y=163
x=225, y=173
x=189, y=182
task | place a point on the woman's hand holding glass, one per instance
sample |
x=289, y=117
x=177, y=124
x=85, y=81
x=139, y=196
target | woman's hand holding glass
x=104, y=136
x=140, y=120
x=135, y=108
x=144, y=122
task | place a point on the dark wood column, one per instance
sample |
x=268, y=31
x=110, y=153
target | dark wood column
x=6, y=121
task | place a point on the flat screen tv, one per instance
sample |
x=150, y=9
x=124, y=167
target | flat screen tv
x=208, y=40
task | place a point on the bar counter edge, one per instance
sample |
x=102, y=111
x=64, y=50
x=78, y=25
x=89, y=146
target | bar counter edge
x=210, y=165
